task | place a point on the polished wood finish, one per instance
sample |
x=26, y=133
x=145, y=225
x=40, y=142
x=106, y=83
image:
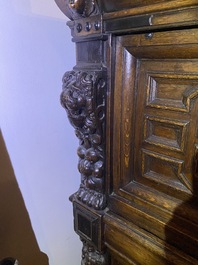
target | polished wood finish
x=133, y=101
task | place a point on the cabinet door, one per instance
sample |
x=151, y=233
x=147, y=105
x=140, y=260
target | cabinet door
x=155, y=135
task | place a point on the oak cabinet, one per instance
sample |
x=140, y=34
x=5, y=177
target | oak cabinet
x=155, y=141
x=133, y=101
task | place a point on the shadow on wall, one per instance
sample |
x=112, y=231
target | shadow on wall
x=17, y=237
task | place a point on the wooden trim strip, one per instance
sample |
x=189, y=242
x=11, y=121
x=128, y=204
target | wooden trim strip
x=159, y=7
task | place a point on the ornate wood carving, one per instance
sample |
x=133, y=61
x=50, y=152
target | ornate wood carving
x=83, y=97
x=90, y=256
x=82, y=8
x=75, y=9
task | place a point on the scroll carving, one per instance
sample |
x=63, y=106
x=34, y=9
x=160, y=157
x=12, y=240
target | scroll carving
x=83, y=97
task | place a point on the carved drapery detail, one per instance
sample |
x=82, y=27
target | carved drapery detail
x=90, y=256
x=83, y=97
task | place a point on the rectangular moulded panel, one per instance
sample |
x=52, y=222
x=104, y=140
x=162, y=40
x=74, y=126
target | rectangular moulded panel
x=166, y=133
x=170, y=90
x=162, y=169
x=155, y=130
x=87, y=225
x=95, y=54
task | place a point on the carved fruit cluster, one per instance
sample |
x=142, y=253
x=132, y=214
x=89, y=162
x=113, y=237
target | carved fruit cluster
x=84, y=101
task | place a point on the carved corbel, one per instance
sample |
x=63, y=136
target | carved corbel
x=83, y=98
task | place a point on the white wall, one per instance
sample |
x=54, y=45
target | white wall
x=35, y=51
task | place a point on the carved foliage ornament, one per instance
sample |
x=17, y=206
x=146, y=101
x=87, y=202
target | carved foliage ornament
x=83, y=97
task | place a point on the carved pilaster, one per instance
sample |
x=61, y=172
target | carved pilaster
x=83, y=97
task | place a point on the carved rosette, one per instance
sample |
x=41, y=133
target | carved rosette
x=83, y=97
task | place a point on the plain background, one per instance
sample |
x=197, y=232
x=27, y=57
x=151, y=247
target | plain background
x=35, y=51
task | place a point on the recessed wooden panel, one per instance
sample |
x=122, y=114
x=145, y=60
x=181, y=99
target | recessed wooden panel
x=87, y=225
x=171, y=91
x=156, y=113
x=163, y=169
x=165, y=106
x=155, y=136
x=165, y=132
x=170, y=103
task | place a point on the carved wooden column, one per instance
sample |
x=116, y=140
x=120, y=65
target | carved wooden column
x=84, y=99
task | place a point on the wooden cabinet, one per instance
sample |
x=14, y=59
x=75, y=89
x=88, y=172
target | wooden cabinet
x=133, y=101
x=155, y=141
